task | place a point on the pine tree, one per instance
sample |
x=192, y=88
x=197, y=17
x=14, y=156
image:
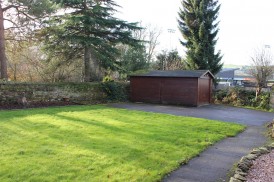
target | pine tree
x=133, y=59
x=197, y=23
x=89, y=30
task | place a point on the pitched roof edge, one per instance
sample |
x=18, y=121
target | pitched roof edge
x=207, y=71
x=167, y=73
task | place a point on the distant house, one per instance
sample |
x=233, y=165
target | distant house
x=226, y=77
x=226, y=74
x=234, y=77
x=184, y=87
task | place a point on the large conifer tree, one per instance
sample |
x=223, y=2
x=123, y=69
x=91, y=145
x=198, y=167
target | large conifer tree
x=197, y=23
x=88, y=30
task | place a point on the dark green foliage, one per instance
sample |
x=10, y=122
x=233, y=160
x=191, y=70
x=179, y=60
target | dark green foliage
x=91, y=31
x=263, y=101
x=197, y=23
x=133, y=59
x=169, y=61
x=116, y=91
x=36, y=8
x=240, y=97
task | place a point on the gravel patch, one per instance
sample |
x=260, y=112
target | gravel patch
x=262, y=169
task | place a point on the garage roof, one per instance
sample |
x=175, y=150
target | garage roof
x=178, y=73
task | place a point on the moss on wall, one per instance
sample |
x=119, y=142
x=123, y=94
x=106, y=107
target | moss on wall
x=46, y=92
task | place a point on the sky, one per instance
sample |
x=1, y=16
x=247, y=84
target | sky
x=245, y=25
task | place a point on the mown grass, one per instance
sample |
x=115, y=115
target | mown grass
x=98, y=143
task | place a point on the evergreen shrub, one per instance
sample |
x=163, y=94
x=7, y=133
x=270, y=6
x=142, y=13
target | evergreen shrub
x=116, y=91
x=240, y=97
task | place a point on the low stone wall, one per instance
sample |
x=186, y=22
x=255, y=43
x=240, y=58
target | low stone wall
x=246, y=162
x=50, y=92
x=272, y=99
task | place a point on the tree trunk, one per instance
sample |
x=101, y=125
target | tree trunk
x=258, y=92
x=87, y=73
x=96, y=74
x=15, y=72
x=3, y=58
x=92, y=69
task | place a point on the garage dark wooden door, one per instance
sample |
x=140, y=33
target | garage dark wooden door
x=165, y=90
x=146, y=90
x=179, y=91
x=204, y=91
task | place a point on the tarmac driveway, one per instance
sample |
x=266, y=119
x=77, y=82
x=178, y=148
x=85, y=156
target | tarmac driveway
x=215, y=163
x=215, y=112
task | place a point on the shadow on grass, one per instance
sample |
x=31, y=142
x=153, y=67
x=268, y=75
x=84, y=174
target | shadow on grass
x=11, y=114
x=122, y=137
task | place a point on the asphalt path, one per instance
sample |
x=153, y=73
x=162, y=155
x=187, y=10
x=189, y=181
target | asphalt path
x=216, y=162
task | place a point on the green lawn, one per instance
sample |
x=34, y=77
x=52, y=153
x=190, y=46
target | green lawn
x=98, y=143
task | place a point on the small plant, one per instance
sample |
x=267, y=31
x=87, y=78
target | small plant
x=220, y=94
x=264, y=101
x=3, y=80
x=107, y=79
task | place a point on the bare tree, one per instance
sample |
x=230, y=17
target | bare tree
x=27, y=62
x=153, y=36
x=261, y=68
x=169, y=60
x=20, y=15
x=150, y=35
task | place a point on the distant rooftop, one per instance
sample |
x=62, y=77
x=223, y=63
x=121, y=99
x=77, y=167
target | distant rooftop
x=178, y=73
x=229, y=69
x=227, y=73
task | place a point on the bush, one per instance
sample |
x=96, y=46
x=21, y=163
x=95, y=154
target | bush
x=264, y=101
x=116, y=91
x=220, y=94
x=239, y=97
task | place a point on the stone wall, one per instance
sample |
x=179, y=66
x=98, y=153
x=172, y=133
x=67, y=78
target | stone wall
x=47, y=92
x=246, y=162
x=272, y=100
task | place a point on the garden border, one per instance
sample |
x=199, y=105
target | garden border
x=245, y=163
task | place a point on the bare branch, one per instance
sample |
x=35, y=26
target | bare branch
x=25, y=14
x=10, y=21
x=9, y=7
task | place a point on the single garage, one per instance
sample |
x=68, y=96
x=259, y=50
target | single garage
x=183, y=87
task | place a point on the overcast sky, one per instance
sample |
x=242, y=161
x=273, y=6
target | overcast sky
x=244, y=24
